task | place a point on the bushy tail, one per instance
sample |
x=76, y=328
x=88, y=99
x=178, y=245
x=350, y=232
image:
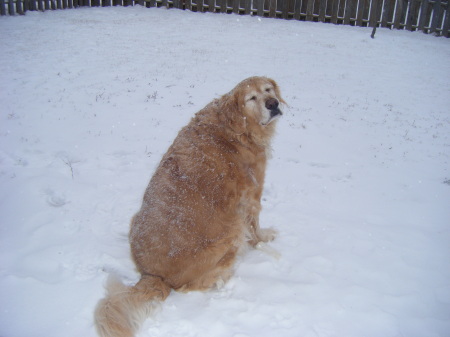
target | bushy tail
x=122, y=311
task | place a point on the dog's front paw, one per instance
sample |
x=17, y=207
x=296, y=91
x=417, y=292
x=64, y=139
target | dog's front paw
x=267, y=234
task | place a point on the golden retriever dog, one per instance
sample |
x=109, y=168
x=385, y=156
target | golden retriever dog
x=201, y=207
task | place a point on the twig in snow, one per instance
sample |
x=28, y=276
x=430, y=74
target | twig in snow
x=68, y=163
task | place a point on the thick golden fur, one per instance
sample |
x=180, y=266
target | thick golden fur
x=201, y=206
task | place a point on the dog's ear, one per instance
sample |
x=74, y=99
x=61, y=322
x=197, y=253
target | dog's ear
x=232, y=109
x=277, y=91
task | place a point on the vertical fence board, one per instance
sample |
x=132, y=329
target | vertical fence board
x=386, y=16
x=341, y=9
x=423, y=14
x=446, y=26
x=409, y=16
x=19, y=8
x=347, y=11
x=278, y=7
x=436, y=11
x=197, y=5
x=309, y=10
x=290, y=8
x=360, y=13
x=248, y=7
x=272, y=8
x=440, y=20
x=322, y=10
x=349, y=6
x=366, y=13
x=236, y=6
x=374, y=15
x=284, y=9
x=260, y=8
x=398, y=17
x=297, y=9
x=11, y=7
x=334, y=11
x=2, y=7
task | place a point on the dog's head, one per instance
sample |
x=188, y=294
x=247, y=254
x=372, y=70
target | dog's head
x=253, y=105
x=259, y=99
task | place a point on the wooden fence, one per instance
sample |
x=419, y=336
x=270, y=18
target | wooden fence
x=429, y=16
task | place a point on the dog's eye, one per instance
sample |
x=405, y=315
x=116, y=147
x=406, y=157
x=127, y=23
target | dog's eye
x=268, y=89
x=253, y=98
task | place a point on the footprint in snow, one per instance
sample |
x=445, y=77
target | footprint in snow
x=54, y=199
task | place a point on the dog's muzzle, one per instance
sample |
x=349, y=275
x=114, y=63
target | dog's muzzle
x=272, y=106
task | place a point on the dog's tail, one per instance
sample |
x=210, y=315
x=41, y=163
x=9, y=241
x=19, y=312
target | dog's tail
x=124, y=308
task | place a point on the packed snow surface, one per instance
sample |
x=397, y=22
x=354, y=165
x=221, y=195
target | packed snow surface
x=358, y=186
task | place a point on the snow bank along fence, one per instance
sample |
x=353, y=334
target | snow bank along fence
x=430, y=16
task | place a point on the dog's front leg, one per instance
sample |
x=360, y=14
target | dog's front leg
x=256, y=234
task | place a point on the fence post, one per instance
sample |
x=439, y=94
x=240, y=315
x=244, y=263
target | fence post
x=309, y=10
x=199, y=4
x=272, y=8
x=223, y=6
x=260, y=7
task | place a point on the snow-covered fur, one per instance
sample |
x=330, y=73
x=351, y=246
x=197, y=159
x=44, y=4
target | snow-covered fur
x=201, y=207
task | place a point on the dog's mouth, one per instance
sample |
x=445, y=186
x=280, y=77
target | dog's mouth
x=274, y=114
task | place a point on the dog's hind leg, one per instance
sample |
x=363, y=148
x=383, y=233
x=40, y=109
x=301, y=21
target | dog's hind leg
x=216, y=277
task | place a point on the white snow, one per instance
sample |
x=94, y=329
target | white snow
x=358, y=186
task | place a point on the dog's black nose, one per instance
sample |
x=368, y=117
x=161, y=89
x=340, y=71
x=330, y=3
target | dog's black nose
x=272, y=104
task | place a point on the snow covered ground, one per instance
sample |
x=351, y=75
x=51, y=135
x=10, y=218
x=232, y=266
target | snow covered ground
x=358, y=186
